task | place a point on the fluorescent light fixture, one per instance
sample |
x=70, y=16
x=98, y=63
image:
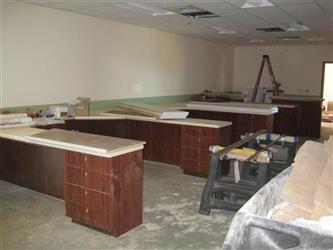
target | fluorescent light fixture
x=256, y=41
x=223, y=30
x=256, y=4
x=316, y=39
x=298, y=27
x=144, y=9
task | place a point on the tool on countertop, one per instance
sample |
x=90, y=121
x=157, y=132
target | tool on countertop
x=255, y=159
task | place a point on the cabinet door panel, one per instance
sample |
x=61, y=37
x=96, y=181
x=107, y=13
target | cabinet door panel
x=74, y=194
x=190, y=165
x=97, y=218
x=195, y=154
x=97, y=181
x=96, y=200
x=74, y=175
x=74, y=210
x=73, y=159
x=96, y=164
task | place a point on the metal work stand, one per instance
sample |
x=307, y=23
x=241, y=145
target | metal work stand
x=222, y=192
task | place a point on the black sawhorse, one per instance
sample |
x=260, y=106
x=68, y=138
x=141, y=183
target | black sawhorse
x=222, y=192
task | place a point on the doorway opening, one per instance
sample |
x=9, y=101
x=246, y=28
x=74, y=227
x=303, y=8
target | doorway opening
x=327, y=94
x=327, y=85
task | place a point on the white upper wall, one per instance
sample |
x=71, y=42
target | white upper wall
x=298, y=68
x=52, y=56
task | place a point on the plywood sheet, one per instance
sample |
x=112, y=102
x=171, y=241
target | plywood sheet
x=303, y=182
x=154, y=111
x=286, y=212
x=323, y=200
x=128, y=114
x=97, y=143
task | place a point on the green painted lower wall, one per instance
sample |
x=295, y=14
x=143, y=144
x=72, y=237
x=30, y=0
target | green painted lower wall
x=94, y=105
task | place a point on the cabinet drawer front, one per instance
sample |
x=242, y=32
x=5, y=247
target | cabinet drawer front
x=202, y=142
x=74, y=194
x=74, y=210
x=97, y=218
x=193, y=131
x=199, y=131
x=73, y=175
x=96, y=163
x=96, y=200
x=73, y=159
x=97, y=181
x=195, y=154
x=199, y=167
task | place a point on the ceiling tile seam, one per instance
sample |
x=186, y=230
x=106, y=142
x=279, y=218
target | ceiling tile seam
x=297, y=19
x=323, y=10
x=262, y=19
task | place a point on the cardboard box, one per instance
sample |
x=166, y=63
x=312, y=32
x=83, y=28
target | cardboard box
x=83, y=107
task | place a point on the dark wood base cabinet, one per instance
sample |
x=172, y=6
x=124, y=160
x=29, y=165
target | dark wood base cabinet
x=32, y=166
x=241, y=123
x=181, y=145
x=195, y=155
x=308, y=117
x=105, y=193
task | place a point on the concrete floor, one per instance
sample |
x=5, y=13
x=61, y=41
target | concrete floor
x=31, y=220
x=326, y=130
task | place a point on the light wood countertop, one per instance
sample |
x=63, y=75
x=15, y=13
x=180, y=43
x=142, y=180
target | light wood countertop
x=187, y=121
x=103, y=146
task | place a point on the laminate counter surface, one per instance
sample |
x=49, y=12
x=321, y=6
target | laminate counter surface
x=235, y=107
x=103, y=146
x=188, y=121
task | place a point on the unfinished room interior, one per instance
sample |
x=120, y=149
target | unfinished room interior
x=184, y=124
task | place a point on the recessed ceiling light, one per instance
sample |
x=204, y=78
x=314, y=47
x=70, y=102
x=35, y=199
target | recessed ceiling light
x=297, y=27
x=316, y=38
x=144, y=9
x=223, y=30
x=256, y=4
x=256, y=41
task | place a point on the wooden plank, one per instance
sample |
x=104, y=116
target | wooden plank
x=84, y=141
x=302, y=183
x=154, y=111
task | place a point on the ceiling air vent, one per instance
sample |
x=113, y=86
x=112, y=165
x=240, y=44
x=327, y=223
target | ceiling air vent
x=289, y=38
x=194, y=12
x=272, y=29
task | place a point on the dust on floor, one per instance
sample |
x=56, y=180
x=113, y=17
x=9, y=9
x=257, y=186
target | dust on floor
x=30, y=220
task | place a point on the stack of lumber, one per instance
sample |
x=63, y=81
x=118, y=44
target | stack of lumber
x=153, y=111
x=242, y=154
x=308, y=192
x=15, y=120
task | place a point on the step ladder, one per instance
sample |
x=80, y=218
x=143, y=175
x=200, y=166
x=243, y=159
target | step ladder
x=275, y=85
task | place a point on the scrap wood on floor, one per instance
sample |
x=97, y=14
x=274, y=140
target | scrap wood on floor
x=308, y=192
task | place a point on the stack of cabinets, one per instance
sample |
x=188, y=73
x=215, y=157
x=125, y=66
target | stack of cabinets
x=105, y=193
x=195, y=155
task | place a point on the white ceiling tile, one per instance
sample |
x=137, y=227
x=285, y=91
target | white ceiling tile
x=272, y=15
x=243, y=17
x=327, y=6
x=314, y=14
